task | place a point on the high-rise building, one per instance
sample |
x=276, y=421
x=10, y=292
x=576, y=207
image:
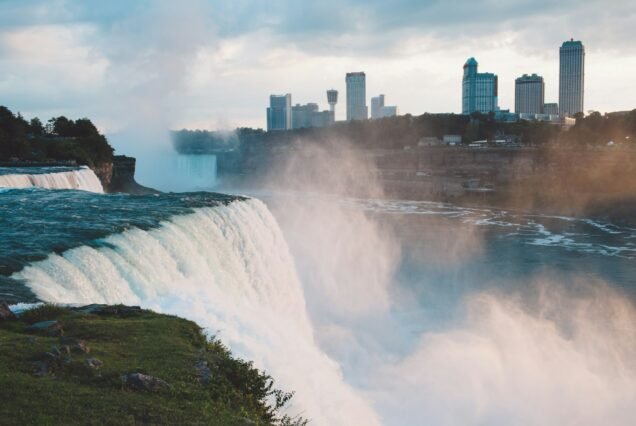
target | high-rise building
x=356, y=96
x=279, y=113
x=304, y=116
x=571, y=77
x=479, y=90
x=301, y=115
x=376, y=106
x=529, y=94
x=379, y=110
x=551, y=108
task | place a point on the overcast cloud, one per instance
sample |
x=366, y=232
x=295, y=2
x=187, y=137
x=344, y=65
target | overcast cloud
x=212, y=64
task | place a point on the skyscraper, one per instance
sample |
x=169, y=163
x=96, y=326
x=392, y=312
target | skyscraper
x=529, y=94
x=279, y=113
x=479, y=90
x=356, y=96
x=571, y=77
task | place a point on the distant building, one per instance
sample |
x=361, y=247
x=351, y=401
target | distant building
x=301, y=115
x=356, y=96
x=332, y=100
x=571, y=77
x=389, y=111
x=376, y=105
x=551, y=108
x=505, y=116
x=279, y=113
x=452, y=140
x=479, y=90
x=304, y=116
x=379, y=110
x=529, y=94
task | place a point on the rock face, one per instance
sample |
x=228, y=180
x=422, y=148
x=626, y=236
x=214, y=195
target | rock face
x=119, y=176
x=5, y=312
x=144, y=382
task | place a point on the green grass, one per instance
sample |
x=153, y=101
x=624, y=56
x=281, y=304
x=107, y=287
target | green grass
x=160, y=345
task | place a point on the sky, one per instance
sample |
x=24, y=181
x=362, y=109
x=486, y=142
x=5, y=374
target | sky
x=213, y=64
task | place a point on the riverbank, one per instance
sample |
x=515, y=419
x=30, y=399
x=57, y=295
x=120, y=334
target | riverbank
x=101, y=364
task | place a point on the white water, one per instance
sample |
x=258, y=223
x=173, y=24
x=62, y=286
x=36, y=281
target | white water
x=199, y=171
x=557, y=358
x=229, y=269
x=83, y=179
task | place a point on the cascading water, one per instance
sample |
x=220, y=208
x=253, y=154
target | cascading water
x=229, y=269
x=82, y=179
x=198, y=170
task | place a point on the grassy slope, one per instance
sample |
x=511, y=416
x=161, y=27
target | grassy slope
x=163, y=346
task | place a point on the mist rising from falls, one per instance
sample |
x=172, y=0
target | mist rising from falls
x=83, y=179
x=229, y=269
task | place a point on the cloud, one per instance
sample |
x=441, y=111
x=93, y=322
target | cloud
x=213, y=63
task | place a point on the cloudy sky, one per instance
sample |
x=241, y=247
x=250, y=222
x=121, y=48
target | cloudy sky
x=212, y=64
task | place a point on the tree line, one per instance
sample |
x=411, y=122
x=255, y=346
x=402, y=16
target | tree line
x=61, y=139
x=594, y=129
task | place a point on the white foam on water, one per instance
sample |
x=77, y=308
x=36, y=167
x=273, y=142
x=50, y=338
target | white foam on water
x=82, y=179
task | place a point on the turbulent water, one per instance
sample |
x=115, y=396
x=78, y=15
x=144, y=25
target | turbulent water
x=374, y=312
x=51, y=178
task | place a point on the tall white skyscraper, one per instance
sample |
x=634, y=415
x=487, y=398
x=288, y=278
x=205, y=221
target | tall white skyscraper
x=356, y=96
x=571, y=77
x=529, y=94
x=479, y=90
x=279, y=113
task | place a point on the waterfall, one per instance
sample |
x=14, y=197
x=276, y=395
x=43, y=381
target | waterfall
x=229, y=269
x=198, y=170
x=83, y=179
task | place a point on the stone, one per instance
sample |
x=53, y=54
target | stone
x=94, y=363
x=204, y=374
x=52, y=328
x=75, y=345
x=144, y=382
x=5, y=313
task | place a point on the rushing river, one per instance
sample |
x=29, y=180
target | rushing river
x=373, y=311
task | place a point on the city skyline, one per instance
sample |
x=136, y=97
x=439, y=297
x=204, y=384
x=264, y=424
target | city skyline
x=217, y=74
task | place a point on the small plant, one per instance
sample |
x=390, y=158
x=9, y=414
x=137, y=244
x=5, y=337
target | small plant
x=44, y=313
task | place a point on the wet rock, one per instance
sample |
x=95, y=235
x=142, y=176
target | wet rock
x=94, y=363
x=5, y=313
x=144, y=382
x=52, y=328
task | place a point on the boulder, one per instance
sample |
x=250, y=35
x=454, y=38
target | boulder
x=144, y=382
x=75, y=345
x=94, y=363
x=204, y=374
x=5, y=313
x=52, y=328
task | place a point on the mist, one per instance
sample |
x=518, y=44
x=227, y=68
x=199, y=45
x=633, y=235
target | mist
x=546, y=348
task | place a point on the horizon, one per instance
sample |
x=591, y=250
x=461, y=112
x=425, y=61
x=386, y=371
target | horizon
x=216, y=70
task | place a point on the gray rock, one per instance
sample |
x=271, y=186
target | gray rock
x=75, y=345
x=52, y=328
x=5, y=313
x=204, y=374
x=94, y=363
x=144, y=382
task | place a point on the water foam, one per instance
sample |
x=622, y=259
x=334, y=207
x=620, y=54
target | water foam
x=83, y=179
x=229, y=269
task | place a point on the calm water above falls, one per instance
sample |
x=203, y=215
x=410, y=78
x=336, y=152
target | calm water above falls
x=380, y=302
